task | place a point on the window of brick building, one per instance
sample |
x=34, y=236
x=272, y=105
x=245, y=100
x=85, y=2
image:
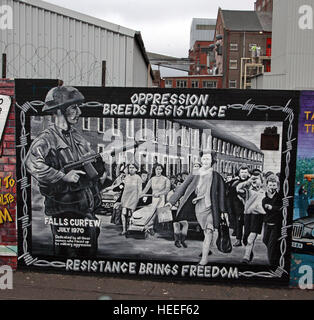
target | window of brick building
x=233, y=64
x=209, y=84
x=182, y=84
x=232, y=84
x=168, y=83
x=233, y=47
x=194, y=84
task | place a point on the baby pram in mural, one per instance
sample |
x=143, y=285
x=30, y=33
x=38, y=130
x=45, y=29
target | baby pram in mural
x=142, y=220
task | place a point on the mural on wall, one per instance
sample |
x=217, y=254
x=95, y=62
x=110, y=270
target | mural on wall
x=303, y=224
x=174, y=184
x=8, y=228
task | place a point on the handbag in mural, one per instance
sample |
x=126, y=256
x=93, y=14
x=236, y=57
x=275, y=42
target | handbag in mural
x=223, y=241
x=164, y=214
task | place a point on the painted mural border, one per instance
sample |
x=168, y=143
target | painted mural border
x=290, y=143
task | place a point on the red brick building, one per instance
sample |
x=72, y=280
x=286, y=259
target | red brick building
x=201, y=64
x=264, y=5
x=238, y=33
x=194, y=81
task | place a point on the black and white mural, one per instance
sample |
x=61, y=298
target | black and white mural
x=179, y=184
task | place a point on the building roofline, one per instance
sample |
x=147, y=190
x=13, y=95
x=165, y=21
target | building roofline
x=139, y=40
x=262, y=24
x=79, y=16
x=194, y=76
x=136, y=35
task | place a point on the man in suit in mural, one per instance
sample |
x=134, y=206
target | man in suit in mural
x=207, y=188
x=68, y=195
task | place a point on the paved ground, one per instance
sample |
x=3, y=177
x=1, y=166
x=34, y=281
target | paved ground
x=51, y=286
x=157, y=247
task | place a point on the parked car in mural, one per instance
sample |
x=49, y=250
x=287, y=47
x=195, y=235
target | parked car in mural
x=303, y=232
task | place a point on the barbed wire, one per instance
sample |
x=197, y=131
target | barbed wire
x=71, y=66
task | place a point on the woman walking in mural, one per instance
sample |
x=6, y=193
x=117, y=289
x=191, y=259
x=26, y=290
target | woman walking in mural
x=131, y=194
x=210, y=200
x=160, y=186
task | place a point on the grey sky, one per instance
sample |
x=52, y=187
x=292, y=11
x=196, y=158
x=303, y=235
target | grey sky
x=164, y=24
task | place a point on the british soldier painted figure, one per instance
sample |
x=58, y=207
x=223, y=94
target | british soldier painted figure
x=68, y=195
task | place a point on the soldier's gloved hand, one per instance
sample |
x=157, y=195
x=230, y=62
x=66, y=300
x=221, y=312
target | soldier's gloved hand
x=105, y=157
x=73, y=176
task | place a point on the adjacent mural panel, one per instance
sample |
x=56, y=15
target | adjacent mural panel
x=8, y=228
x=303, y=224
x=178, y=184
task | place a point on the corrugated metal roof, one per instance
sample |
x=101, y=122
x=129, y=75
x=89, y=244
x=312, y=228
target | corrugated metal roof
x=80, y=16
x=241, y=20
x=49, y=41
x=182, y=64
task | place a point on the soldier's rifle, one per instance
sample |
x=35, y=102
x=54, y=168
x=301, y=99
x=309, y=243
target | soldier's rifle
x=91, y=163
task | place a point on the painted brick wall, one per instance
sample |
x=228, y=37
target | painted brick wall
x=8, y=230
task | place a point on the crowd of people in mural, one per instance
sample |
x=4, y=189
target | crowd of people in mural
x=249, y=200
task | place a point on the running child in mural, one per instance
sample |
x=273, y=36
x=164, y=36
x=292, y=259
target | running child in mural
x=187, y=213
x=253, y=195
x=272, y=204
x=207, y=188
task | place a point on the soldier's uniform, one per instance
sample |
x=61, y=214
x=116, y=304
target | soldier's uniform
x=50, y=152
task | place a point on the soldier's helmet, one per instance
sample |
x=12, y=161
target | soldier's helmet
x=61, y=98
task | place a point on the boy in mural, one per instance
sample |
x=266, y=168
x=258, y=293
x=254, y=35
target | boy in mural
x=253, y=195
x=210, y=200
x=70, y=195
x=272, y=204
x=237, y=204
